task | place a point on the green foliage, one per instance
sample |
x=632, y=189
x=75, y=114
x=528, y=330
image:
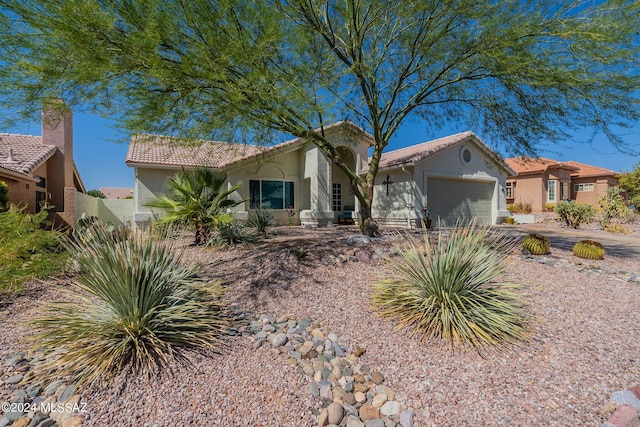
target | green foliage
x=134, y=307
x=449, y=289
x=197, y=197
x=27, y=250
x=520, y=208
x=96, y=193
x=630, y=181
x=536, y=244
x=616, y=228
x=4, y=196
x=299, y=252
x=262, y=220
x=230, y=234
x=613, y=205
x=513, y=70
x=588, y=249
x=573, y=214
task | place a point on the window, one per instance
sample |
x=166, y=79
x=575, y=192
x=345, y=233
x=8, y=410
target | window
x=552, y=190
x=42, y=182
x=508, y=190
x=578, y=188
x=270, y=194
x=337, y=196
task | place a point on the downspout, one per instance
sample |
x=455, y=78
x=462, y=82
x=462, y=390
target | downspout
x=413, y=195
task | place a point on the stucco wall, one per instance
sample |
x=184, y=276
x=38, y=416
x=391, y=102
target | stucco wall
x=21, y=191
x=601, y=184
x=114, y=211
x=149, y=183
x=398, y=207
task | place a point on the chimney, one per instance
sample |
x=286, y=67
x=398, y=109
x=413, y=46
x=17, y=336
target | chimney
x=57, y=130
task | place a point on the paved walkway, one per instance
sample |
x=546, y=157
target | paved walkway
x=620, y=245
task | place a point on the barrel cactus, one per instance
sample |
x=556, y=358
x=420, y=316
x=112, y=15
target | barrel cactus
x=588, y=249
x=536, y=244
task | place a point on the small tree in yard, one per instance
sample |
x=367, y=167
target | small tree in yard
x=96, y=193
x=573, y=214
x=630, y=181
x=197, y=197
x=518, y=72
x=613, y=205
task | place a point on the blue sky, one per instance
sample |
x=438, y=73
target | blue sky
x=100, y=149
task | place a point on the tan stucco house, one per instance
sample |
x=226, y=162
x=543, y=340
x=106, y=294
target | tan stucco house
x=542, y=181
x=459, y=177
x=41, y=169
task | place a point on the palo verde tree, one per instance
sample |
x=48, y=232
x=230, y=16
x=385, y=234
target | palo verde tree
x=516, y=71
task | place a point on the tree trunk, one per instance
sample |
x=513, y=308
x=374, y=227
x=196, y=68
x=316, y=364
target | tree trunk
x=367, y=225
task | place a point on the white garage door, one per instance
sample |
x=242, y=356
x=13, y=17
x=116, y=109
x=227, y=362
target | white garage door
x=454, y=200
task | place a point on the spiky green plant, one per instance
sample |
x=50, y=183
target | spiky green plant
x=588, y=249
x=261, y=219
x=230, y=234
x=536, y=244
x=449, y=289
x=133, y=307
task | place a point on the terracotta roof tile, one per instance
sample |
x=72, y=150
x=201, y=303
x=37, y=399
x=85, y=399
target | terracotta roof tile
x=584, y=170
x=169, y=151
x=23, y=153
x=524, y=164
x=418, y=152
x=116, y=193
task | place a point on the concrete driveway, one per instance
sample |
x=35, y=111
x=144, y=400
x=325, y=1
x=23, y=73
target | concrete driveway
x=619, y=245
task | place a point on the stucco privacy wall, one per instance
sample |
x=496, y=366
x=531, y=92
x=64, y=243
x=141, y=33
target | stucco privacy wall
x=114, y=211
x=150, y=182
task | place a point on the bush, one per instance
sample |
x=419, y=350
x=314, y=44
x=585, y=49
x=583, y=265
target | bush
x=588, y=249
x=613, y=205
x=4, y=196
x=133, y=307
x=449, y=289
x=230, y=234
x=573, y=214
x=261, y=219
x=616, y=228
x=27, y=250
x=536, y=244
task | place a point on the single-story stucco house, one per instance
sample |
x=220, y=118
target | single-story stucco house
x=459, y=177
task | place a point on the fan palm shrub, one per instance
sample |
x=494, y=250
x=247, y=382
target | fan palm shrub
x=450, y=289
x=197, y=197
x=133, y=307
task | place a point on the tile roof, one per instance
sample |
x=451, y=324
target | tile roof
x=584, y=170
x=23, y=153
x=524, y=164
x=168, y=151
x=116, y=193
x=416, y=153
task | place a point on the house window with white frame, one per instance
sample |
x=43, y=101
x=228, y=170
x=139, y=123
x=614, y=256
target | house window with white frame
x=579, y=188
x=508, y=190
x=551, y=190
x=271, y=194
x=337, y=197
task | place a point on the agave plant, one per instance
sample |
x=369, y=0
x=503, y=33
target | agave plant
x=588, y=249
x=536, y=244
x=449, y=289
x=261, y=219
x=133, y=307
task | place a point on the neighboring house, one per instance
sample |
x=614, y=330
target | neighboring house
x=541, y=181
x=41, y=169
x=459, y=177
x=116, y=193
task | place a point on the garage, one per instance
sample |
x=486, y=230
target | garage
x=454, y=200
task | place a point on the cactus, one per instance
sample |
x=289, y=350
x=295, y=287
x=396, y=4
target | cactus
x=588, y=249
x=536, y=244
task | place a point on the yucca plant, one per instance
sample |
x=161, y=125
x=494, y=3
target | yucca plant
x=133, y=307
x=536, y=244
x=230, y=234
x=588, y=249
x=449, y=289
x=261, y=219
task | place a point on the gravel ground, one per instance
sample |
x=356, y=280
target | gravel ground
x=582, y=347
